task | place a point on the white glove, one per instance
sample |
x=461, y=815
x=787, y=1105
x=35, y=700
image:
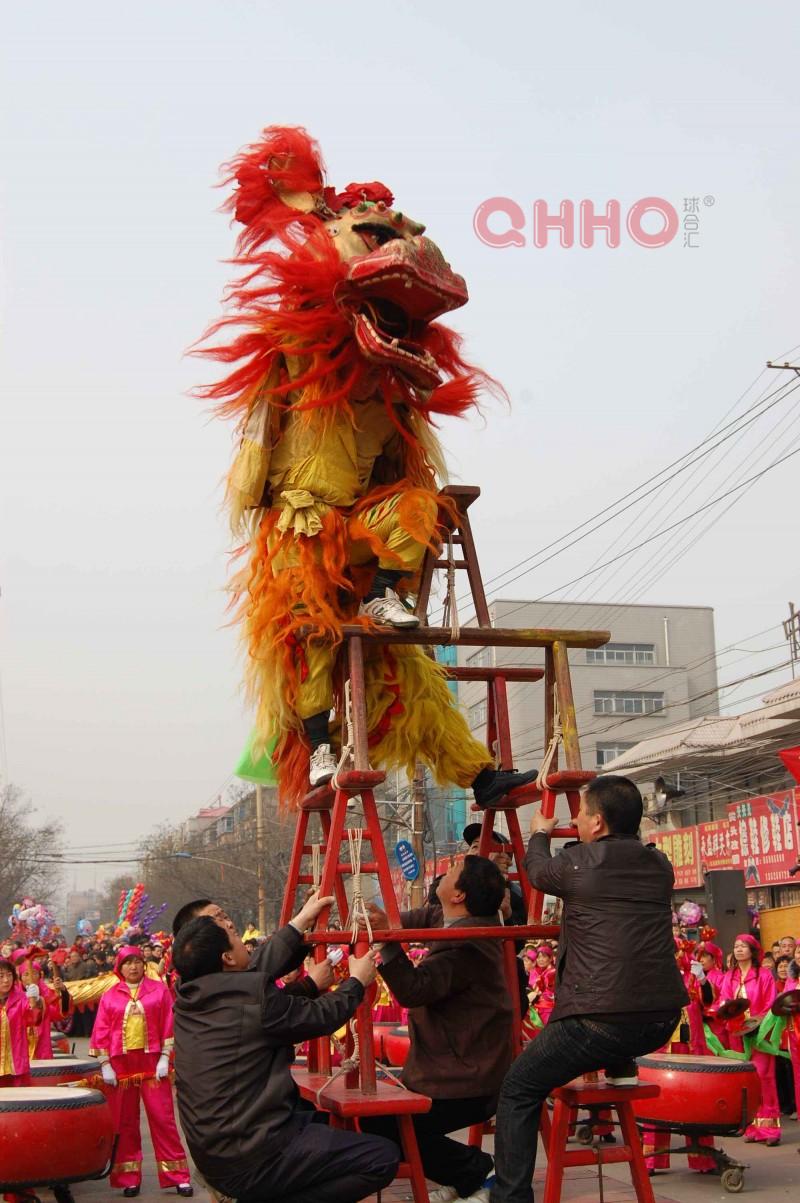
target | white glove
x=162, y=1069
x=32, y=992
x=696, y=969
x=109, y=1077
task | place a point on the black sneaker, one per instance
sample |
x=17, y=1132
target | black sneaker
x=130, y=1192
x=500, y=782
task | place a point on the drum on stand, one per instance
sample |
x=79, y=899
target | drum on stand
x=52, y=1135
x=396, y=1044
x=57, y=1071
x=709, y=1094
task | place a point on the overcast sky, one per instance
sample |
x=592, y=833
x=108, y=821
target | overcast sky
x=119, y=679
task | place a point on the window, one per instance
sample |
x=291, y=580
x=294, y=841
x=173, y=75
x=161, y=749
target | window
x=225, y=825
x=608, y=752
x=619, y=701
x=477, y=715
x=480, y=659
x=622, y=653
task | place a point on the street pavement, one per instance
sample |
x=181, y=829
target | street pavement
x=773, y=1175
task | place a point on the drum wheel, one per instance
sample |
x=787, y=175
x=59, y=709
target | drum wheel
x=732, y=1179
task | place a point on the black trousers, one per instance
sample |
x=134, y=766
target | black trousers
x=448, y=1162
x=318, y=1165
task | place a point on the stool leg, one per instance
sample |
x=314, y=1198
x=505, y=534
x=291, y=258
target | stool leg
x=408, y=1140
x=630, y=1135
x=475, y=1139
x=556, y=1146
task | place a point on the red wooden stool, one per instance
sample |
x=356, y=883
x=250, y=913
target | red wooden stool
x=567, y=1099
x=346, y=1107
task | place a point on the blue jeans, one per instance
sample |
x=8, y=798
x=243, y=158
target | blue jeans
x=563, y=1050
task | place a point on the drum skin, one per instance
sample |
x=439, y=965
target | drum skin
x=53, y=1134
x=59, y=1070
x=396, y=1044
x=711, y=1094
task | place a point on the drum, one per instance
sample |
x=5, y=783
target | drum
x=710, y=1094
x=379, y=1032
x=49, y=1134
x=59, y=1070
x=396, y=1045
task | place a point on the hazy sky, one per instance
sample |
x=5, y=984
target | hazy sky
x=119, y=679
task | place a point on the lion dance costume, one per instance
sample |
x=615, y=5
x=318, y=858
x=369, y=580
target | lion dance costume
x=338, y=373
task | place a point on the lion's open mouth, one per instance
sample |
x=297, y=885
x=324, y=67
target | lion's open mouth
x=392, y=294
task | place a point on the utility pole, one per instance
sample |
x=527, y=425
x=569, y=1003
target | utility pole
x=262, y=894
x=417, y=828
x=791, y=629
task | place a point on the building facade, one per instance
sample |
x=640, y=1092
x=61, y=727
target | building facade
x=657, y=670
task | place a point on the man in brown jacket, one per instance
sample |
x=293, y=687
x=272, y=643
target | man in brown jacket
x=459, y=1023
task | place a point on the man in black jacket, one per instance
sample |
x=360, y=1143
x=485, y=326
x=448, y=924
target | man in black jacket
x=235, y=1032
x=618, y=990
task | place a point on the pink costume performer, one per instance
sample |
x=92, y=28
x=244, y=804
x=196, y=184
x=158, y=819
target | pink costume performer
x=17, y=1017
x=758, y=987
x=132, y=1037
x=56, y=1002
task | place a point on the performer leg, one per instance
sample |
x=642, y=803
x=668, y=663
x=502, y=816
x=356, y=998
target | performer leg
x=766, y=1127
x=124, y=1101
x=446, y=1161
x=562, y=1051
x=171, y=1163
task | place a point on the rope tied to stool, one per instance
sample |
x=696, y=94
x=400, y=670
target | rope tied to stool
x=348, y=747
x=450, y=607
x=555, y=739
x=316, y=865
x=358, y=908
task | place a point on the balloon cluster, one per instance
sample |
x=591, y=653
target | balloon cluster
x=31, y=921
x=690, y=914
x=134, y=911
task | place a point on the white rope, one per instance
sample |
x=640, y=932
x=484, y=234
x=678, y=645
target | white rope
x=348, y=746
x=358, y=908
x=556, y=738
x=450, y=608
x=316, y=865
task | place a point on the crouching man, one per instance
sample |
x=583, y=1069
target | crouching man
x=248, y=1131
x=460, y=1027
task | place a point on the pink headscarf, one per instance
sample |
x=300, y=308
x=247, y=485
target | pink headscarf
x=126, y=953
x=713, y=950
x=753, y=943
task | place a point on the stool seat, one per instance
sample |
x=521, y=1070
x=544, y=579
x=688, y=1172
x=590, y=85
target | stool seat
x=580, y=1093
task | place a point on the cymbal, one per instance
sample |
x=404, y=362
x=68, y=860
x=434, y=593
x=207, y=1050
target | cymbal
x=732, y=1009
x=787, y=1003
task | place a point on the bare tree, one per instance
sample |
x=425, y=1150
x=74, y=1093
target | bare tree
x=27, y=852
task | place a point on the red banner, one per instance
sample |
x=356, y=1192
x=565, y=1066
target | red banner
x=682, y=849
x=719, y=845
x=791, y=759
x=765, y=837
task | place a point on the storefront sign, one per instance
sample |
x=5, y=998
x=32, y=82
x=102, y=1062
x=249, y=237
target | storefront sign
x=718, y=845
x=681, y=848
x=765, y=837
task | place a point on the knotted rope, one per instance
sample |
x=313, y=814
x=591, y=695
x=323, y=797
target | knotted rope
x=348, y=746
x=450, y=608
x=358, y=908
x=555, y=739
x=316, y=865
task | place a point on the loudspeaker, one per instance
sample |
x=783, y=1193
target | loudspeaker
x=727, y=906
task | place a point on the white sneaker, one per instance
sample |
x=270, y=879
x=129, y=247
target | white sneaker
x=480, y=1196
x=389, y=611
x=622, y=1080
x=322, y=765
x=443, y=1194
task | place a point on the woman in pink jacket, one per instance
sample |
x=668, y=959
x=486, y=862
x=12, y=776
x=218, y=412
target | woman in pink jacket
x=132, y=1037
x=18, y=1015
x=56, y=1002
x=748, y=979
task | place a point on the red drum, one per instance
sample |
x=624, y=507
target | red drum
x=711, y=1094
x=53, y=1134
x=60, y=1070
x=396, y=1045
x=379, y=1032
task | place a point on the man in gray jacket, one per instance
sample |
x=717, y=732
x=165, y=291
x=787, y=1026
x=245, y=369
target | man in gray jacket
x=235, y=1030
x=619, y=993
